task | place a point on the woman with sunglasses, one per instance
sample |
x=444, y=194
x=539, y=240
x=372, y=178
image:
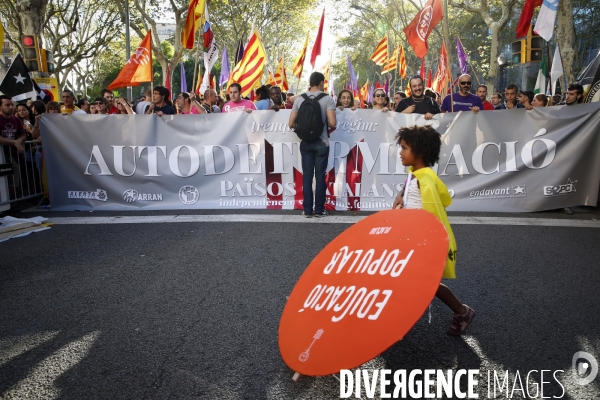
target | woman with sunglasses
x=345, y=100
x=379, y=101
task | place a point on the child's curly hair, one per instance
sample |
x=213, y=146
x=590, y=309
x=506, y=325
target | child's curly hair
x=424, y=142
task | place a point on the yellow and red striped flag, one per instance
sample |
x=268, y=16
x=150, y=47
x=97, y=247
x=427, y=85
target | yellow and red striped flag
x=392, y=63
x=299, y=62
x=402, y=63
x=281, y=76
x=252, y=65
x=270, y=79
x=193, y=22
x=407, y=91
x=325, y=70
x=380, y=55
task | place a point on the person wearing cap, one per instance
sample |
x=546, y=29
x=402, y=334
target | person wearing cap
x=525, y=99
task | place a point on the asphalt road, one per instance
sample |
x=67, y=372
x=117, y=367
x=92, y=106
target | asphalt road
x=191, y=310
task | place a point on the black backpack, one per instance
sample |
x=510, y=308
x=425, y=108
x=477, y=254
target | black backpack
x=309, y=124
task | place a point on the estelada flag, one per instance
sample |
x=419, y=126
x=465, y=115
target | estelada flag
x=421, y=26
x=138, y=68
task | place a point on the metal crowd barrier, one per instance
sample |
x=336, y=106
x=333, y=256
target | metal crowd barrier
x=20, y=173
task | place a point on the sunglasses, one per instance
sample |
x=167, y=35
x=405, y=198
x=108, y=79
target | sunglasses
x=379, y=95
x=99, y=103
x=465, y=83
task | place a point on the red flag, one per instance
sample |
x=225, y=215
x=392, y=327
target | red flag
x=443, y=75
x=316, y=50
x=429, y=78
x=422, y=72
x=138, y=68
x=526, y=15
x=421, y=26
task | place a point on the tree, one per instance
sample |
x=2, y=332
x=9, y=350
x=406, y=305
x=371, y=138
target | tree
x=73, y=30
x=143, y=18
x=565, y=37
x=282, y=24
x=495, y=19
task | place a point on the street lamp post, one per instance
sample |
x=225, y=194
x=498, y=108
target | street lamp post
x=502, y=61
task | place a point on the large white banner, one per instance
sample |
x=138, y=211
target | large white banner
x=510, y=160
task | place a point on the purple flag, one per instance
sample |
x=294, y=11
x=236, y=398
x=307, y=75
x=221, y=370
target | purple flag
x=183, y=82
x=239, y=54
x=353, y=79
x=370, y=96
x=224, y=68
x=462, y=56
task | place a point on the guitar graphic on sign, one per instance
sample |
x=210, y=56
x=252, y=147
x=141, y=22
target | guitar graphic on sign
x=305, y=354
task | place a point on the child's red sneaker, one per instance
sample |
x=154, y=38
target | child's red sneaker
x=461, y=322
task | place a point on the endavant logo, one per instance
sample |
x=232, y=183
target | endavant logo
x=497, y=193
x=584, y=372
x=189, y=195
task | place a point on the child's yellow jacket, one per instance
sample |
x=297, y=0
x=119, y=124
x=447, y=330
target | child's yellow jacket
x=435, y=198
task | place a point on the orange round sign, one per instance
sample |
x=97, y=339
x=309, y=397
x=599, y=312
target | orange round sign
x=363, y=292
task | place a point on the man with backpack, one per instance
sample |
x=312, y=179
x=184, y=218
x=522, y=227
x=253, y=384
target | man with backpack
x=312, y=114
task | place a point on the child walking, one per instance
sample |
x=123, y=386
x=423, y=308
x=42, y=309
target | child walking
x=420, y=149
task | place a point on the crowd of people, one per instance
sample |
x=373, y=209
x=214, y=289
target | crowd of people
x=19, y=123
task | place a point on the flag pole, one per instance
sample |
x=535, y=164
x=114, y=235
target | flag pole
x=196, y=62
x=469, y=61
x=128, y=46
x=446, y=43
x=561, y=63
x=549, y=69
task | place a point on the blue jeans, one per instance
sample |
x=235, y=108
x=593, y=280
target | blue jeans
x=314, y=163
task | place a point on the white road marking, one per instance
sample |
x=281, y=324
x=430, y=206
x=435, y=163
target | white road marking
x=288, y=218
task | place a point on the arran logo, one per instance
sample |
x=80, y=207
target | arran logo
x=141, y=56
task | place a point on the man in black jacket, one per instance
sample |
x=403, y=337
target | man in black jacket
x=417, y=102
